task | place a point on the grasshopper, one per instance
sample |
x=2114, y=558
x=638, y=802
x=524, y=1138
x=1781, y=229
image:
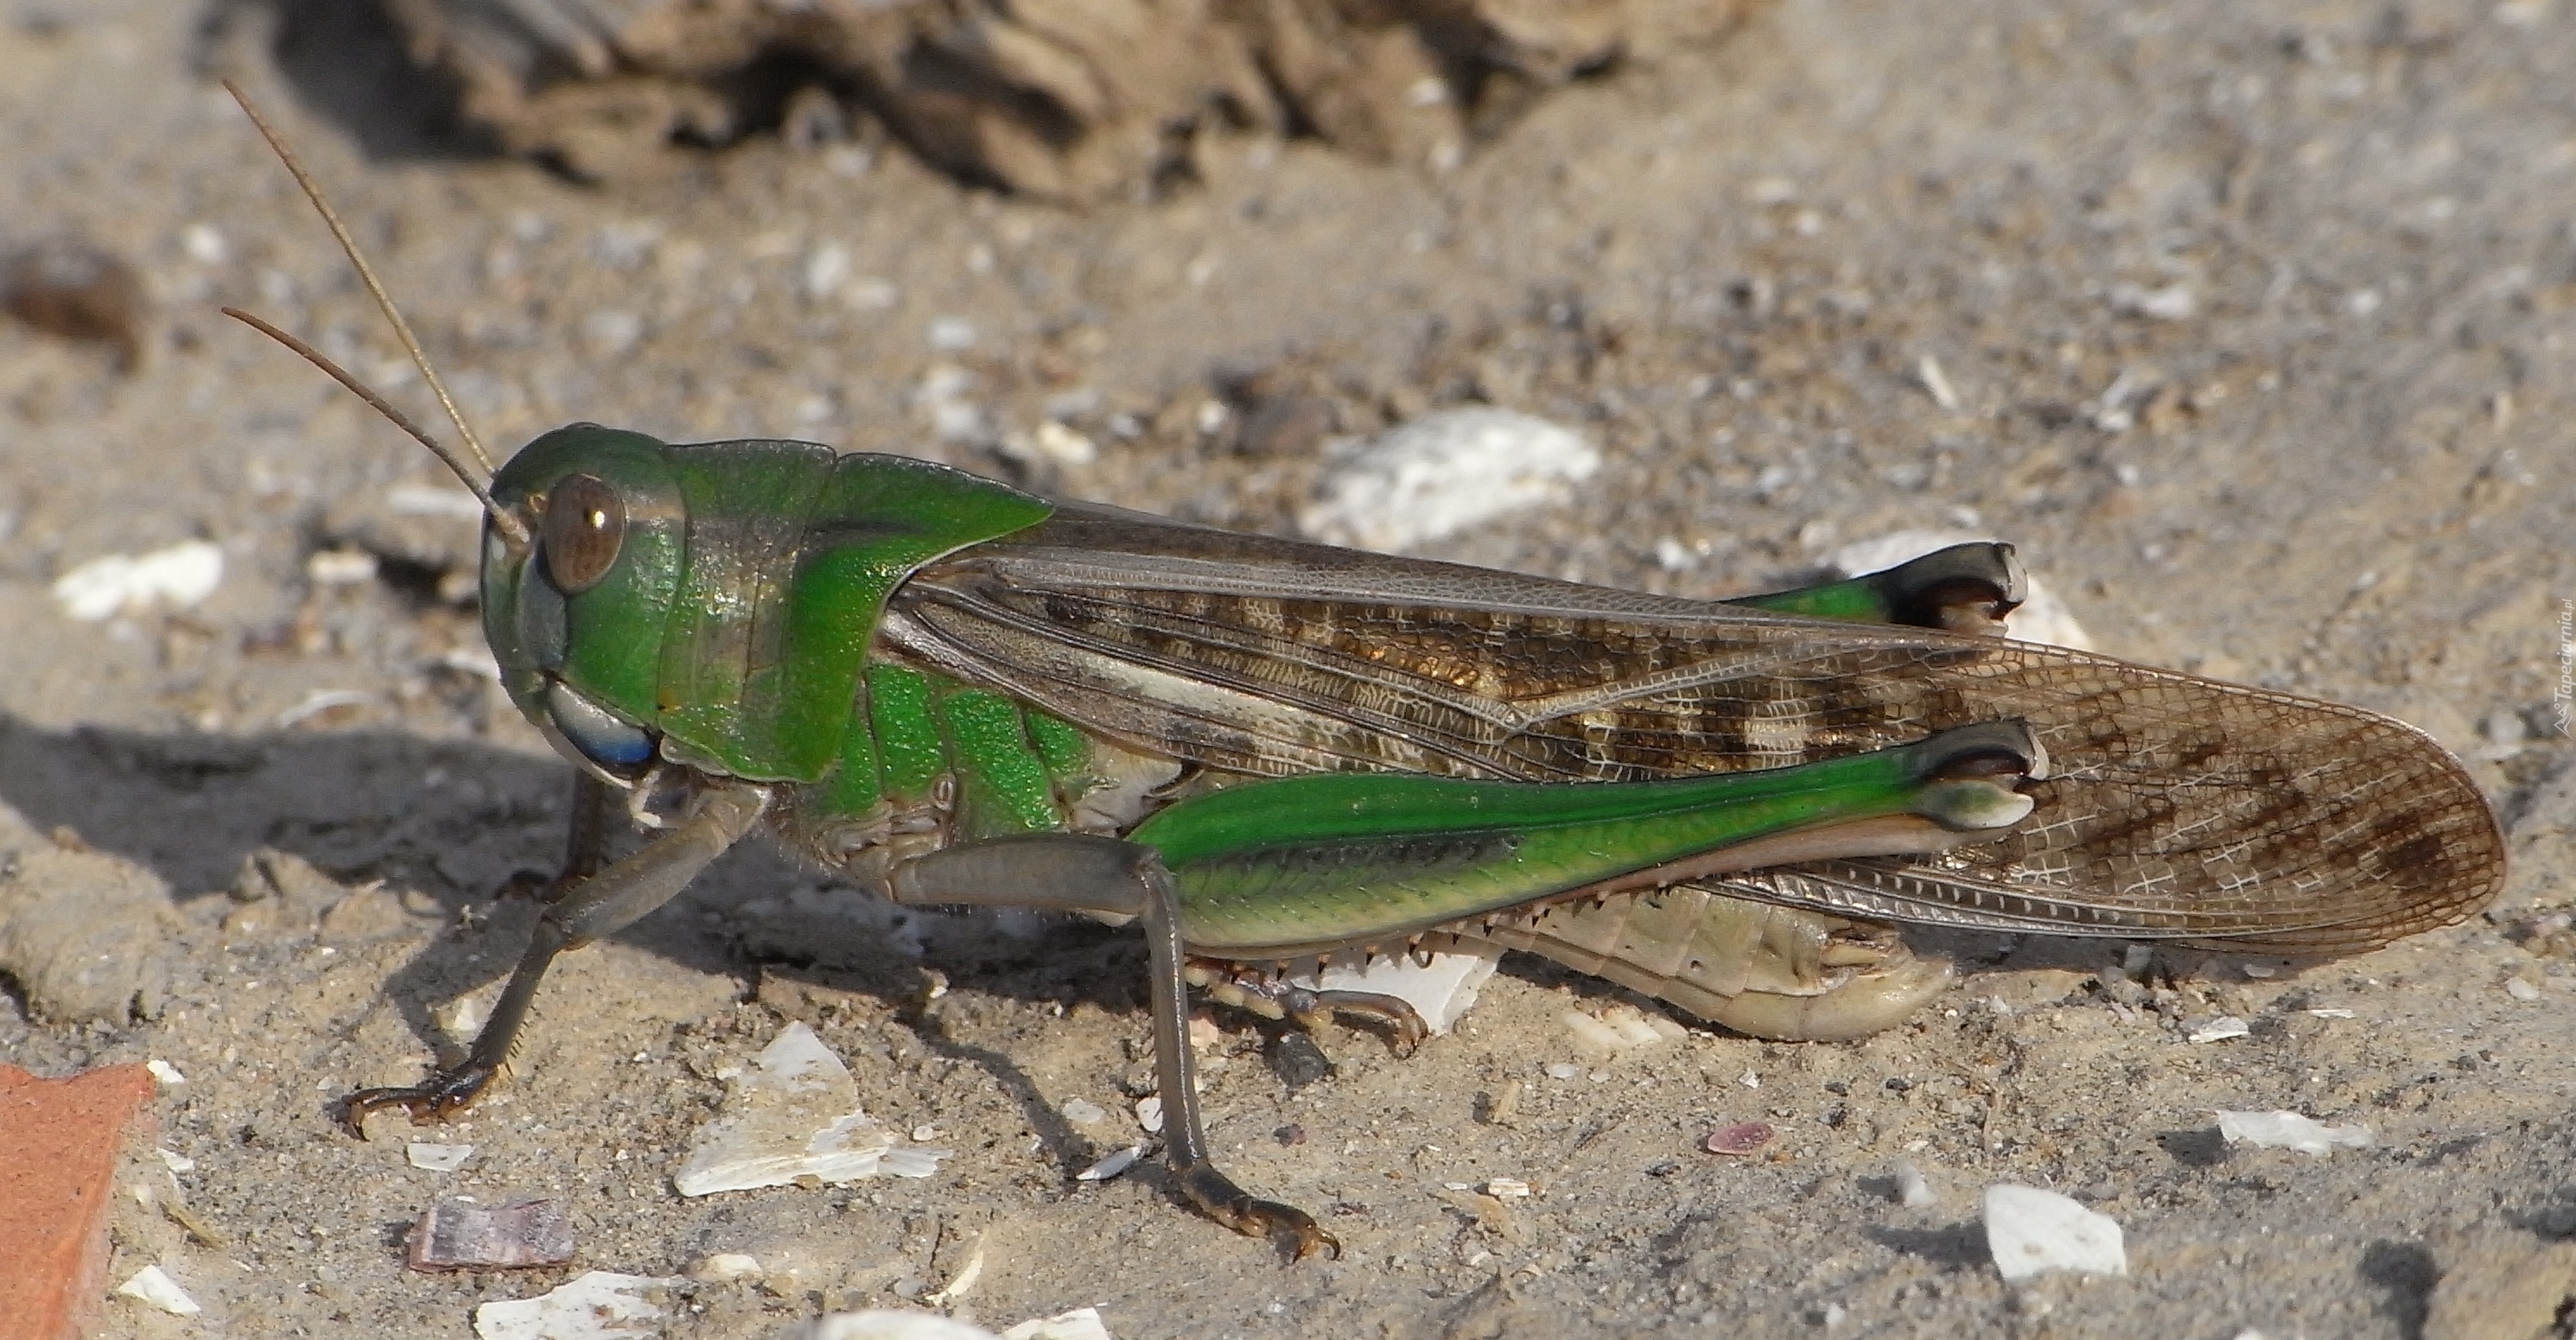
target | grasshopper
x=955, y=692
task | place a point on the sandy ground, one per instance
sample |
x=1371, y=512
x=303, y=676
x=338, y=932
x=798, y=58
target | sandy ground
x=2258, y=329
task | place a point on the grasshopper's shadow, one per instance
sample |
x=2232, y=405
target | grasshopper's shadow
x=457, y=821
x=451, y=820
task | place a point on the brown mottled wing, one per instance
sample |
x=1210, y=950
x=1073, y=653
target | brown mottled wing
x=2176, y=807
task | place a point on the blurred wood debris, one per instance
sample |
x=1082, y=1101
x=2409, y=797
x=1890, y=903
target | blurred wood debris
x=1064, y=99
x=77, y=291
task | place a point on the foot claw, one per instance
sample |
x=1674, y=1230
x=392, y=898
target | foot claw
x=1405, y=1027
x=1293, y=1229
x=437, y=1098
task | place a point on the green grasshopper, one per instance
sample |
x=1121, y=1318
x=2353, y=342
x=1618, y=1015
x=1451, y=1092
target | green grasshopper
x=1261, y=750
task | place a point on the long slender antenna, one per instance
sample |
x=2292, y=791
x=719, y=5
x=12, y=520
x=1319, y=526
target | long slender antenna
x=366, y=272
x=502, y=519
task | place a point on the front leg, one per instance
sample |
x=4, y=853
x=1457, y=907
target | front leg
x=580, y=912
x=1080, y=873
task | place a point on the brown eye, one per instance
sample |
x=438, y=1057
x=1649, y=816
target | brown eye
x=584, y=523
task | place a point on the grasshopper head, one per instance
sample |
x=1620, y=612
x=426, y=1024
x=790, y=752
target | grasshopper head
x=575, y=611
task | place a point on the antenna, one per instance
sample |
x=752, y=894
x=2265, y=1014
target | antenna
x=508, y=524
x=500, y=517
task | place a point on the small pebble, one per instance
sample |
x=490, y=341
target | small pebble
x=1082, y=1111
x=720, y=1267
x=179, y=577
x=1063, y=445
x=1927, y=370
x=340, y=567
x=1296, y=1060
x=1149, y=1113
x=1562, y=1070
x=1506, y=1188
x=2173, y=302
x=165, y=1072
x=2521, y=990
x=1742, y=1138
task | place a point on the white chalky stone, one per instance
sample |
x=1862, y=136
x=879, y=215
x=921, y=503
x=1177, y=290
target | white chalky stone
x=1445, y=472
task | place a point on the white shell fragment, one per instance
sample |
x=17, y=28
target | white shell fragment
x=180, y=577
x=437, y=1158
x=889, y=1324
x=155, y=1289
x=1440, y=990
x=1082, y=1323
x=2289, y=1130
x=2031, y=1232
x=164, y=1073
x=1445, y=472
x=1913, y=1190
x=2219, y=1029
x=596, y=1306
x=794, y=1114
x=2042, y=617
x=1113, y=1165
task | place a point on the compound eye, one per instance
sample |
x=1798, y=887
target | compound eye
x=612, y=745
x=584, y=524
